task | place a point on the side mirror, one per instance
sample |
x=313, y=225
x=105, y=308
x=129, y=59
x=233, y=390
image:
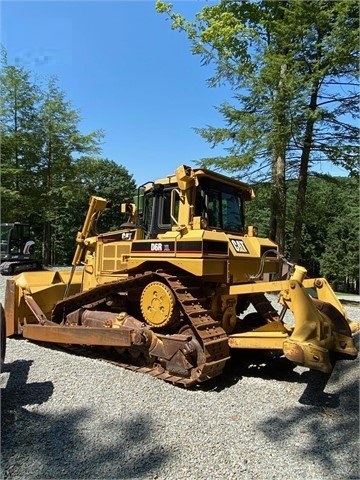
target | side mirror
x=129, y=208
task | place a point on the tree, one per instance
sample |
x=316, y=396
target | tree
x=340, y=259
x=107, y=179
x=48, y=171
x=61, y=142
x=104, y=177
x=90, y=176
x=338, y=217
x=284, y=62
x=19, y=103
x=46, y=177
x=328, y=66
x=330, y=232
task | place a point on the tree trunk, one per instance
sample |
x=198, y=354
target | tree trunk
x=303, y=176
x=278, y=203
x=17, y=179
x=278, y=190
x=47, y=243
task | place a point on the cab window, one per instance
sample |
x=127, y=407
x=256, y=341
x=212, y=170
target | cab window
x=221, y=205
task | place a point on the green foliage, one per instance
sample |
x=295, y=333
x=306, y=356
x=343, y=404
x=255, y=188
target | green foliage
x=339, y=261
x=19, y=100
x=47, y=173
x=293, y=69
x=330, y=237
x=104, y=178
x=91, y=176
x=257, y=211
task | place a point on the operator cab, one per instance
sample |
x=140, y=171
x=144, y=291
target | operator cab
x=16, y=241
x=218, y=205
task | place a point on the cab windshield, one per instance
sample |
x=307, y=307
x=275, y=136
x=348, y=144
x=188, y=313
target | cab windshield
x=221, y=205
x=14, y=237
x=4, y=238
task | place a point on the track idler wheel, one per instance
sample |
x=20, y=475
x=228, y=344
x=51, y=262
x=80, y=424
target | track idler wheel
x=158, y=305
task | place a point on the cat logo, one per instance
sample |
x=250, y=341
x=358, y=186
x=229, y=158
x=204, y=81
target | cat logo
x=239, y=246
x=127, y=236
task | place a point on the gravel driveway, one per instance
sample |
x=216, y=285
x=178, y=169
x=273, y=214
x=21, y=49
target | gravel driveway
x=68, y=417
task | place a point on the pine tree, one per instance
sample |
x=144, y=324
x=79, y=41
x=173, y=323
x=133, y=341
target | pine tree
x=61, y=143
x=19, y=103
x=292, y=66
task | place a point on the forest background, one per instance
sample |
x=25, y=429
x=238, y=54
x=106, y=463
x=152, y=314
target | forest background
x=293, y=69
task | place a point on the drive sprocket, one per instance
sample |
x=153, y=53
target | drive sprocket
x=158, y=305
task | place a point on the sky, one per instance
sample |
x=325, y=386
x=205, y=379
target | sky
x=126, y=71
x=120, y=64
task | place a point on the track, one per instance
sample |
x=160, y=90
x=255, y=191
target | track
x=211, y=336
x=210, y=349
x=19, y=266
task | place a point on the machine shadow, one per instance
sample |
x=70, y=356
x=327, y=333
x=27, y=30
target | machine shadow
x=67, y=444
x=18, y=392
x=252, y=363
x=326, y=430
x=273, y=366
x=74, y=445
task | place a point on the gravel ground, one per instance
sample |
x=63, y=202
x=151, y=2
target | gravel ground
x=68, y=417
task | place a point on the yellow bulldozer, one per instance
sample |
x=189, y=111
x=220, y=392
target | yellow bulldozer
x=179, y=286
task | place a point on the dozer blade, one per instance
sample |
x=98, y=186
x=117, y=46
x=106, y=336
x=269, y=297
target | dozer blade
x=46, y=288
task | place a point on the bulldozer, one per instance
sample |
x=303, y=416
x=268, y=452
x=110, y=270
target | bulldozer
x=179, y=286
